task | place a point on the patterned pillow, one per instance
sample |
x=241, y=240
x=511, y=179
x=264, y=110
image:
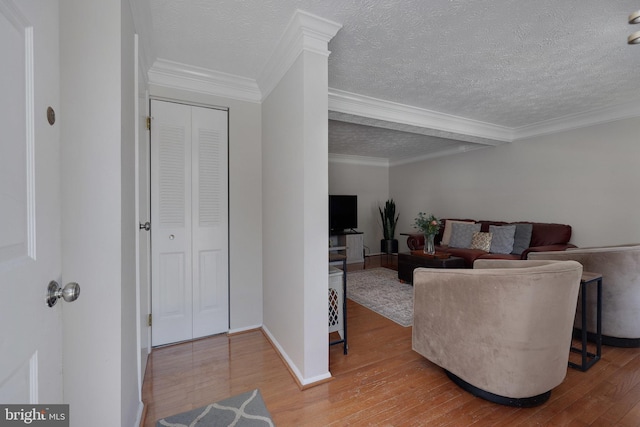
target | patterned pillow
x=461, y=234
x=502, y=240
x=481, y=240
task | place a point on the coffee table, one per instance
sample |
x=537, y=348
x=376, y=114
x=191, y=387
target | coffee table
x=409, y=261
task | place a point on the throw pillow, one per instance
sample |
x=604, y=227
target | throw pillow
x=502, y=241
x=461, y=234
x=522, y=238
x=448, y=227
x=481, y=240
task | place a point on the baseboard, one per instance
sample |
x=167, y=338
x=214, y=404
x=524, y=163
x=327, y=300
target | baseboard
x=302, y=383
x=142, y=415
x=244, y=330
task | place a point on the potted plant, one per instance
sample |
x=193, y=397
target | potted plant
x=389, y=219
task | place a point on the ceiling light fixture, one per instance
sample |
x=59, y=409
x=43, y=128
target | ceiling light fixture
x=634, y=18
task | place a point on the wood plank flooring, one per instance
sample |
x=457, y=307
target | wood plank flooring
x=381, y=382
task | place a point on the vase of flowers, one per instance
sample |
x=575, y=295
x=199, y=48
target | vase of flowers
x=429, y=225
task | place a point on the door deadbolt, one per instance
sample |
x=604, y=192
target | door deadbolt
x=69, y=293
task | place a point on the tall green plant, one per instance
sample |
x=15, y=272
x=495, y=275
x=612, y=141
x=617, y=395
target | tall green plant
x=389, y=219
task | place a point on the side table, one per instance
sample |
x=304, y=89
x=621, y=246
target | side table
x=588, y=359
x=336, y=258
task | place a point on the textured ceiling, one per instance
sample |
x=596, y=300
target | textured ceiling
x=504, y=62
x=382, y=143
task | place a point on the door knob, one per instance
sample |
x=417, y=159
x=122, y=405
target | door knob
x=69, y=293
x=146, y=226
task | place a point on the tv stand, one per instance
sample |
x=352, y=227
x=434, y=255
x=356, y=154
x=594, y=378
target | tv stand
x=349, y=243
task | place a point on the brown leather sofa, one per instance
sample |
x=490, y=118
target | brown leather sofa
x=544, y=237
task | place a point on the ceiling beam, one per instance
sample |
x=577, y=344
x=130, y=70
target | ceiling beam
x=397, y=116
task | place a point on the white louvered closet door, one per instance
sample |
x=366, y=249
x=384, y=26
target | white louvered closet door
x=210, y=222
x=189, y=222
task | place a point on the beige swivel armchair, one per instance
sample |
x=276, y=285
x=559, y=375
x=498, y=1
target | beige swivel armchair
x=502, y=330
x=620, y=269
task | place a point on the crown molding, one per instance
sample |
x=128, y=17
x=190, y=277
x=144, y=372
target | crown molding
x=372, y=108
x=358, y=160
x=435, y=155
x=377, y=161
x=196, y=79
x=579, y=120
x=360, y=105
x=304, y=32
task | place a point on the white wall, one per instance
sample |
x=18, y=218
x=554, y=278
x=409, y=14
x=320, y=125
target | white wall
x=295, y=215
x=316, y=216
x=245, y=203
x=283, y=224
x=587, y=178
x=95, y=120
x=129, y=385
x=371, y=184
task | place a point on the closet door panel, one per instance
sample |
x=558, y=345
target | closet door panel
x=210, y=222
x=171, y=202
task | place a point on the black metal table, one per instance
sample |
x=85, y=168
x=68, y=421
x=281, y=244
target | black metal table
x=588, y=359
x=334, y=257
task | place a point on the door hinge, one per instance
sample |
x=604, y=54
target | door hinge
x=149, y=320
x=148, y=122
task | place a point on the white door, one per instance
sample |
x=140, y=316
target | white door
x=30, y=242
x=189, y=222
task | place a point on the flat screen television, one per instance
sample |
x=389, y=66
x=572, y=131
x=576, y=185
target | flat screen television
x=343, y=213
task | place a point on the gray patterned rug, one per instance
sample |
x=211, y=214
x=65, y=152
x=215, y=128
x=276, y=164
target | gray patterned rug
x=244, y=410
x=379, y=290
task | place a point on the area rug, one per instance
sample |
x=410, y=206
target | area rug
x=244, y=410
x=379, y=290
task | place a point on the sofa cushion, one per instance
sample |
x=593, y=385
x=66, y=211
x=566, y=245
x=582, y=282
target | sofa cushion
x=448, y=227
x=469, y=255
x=481, y=240
x=502, y=240
x=461, y=234
x=546, y=234
x=522, y=238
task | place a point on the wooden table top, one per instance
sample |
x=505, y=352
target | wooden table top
x=588, y=277
x=336, y=257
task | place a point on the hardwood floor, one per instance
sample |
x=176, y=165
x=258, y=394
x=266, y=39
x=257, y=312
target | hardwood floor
x=381, y=382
